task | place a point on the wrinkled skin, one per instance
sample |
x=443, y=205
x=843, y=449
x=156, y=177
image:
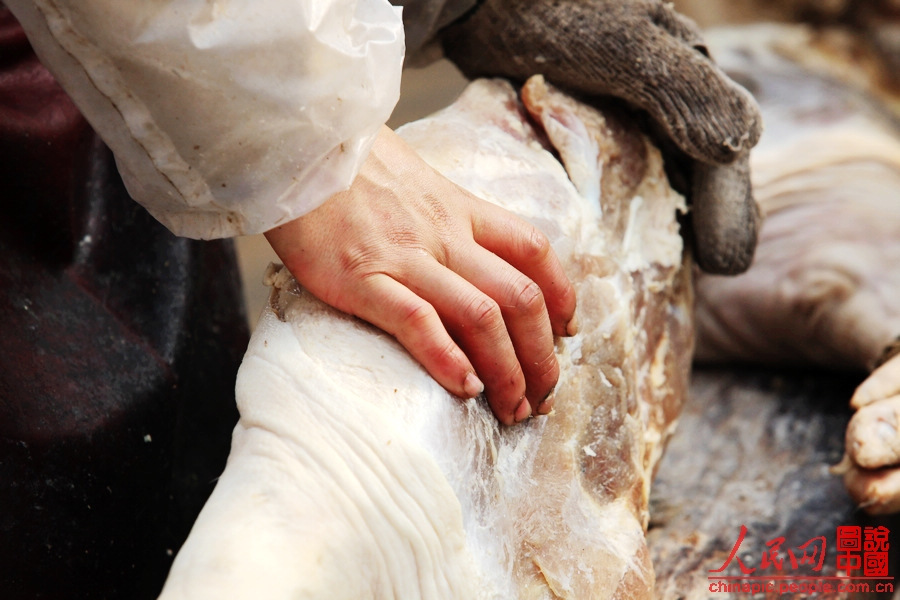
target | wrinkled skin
x=654, y=59
x=871, y=467
x=824, y=285
x=475, y=293
x=478, y=296
x=352, y=475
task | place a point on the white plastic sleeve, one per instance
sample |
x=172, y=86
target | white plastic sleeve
x=227, y=117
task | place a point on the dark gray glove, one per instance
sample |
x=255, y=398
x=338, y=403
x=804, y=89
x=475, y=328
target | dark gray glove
x=646, y=54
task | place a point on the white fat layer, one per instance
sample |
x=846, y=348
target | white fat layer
x=353, y=474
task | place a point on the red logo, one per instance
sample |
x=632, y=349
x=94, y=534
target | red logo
x=863, y=548
x=862, y=565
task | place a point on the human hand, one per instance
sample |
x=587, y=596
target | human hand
x=474, y=293
x=643, y=52
x=871, y=465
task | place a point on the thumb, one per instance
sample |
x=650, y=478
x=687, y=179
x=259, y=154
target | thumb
x=724, y=216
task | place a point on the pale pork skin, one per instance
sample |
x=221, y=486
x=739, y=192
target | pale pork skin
x=824, y=286
x=353, y=474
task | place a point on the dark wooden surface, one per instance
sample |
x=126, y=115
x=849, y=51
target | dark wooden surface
x=753, y=448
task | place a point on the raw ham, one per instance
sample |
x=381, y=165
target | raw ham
x=354, y=475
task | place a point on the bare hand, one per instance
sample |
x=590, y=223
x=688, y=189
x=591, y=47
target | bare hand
x=472, y=291
x=871, y=466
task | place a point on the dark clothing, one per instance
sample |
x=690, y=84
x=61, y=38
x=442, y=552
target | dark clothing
x=120, y=347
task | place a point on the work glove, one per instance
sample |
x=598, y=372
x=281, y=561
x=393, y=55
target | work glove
x=642, y=52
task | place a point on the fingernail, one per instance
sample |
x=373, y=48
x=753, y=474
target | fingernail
x=472, y=385
x=546, y=405
x=523, y=411
x=572, y=326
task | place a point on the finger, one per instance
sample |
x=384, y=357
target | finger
x=476, y=322
x=709, y=116
x=522, y=305
x=724, y=216
x=392, y=307
x=883, y=382
x=524, y=247
x=614, y=48
x=873, y=434
x=875, y=491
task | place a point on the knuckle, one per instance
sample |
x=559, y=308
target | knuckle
x=421, y=331
x=535, y=245
x=547, y=370
x=511, y=385
x=528, y=298
x=416, y=317
x=505, y=386
x=542, y=370
x=443, y=353
x=483, y=313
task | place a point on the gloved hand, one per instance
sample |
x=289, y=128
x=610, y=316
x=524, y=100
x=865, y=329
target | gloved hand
x=646, y=54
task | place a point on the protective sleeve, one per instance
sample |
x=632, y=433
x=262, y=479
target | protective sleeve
x=226, y=117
